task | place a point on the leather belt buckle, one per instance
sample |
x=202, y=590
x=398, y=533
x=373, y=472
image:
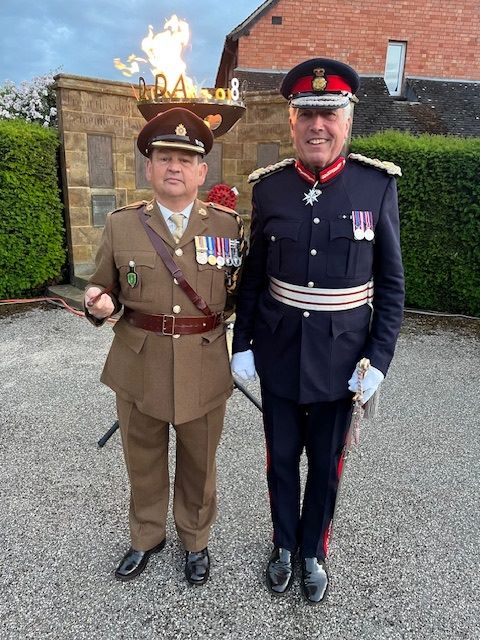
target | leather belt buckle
x=165, y=321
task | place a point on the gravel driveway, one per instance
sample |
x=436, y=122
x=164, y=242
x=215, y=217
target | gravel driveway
x=404, y=556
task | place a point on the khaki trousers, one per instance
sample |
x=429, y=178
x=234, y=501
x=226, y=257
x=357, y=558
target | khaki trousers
x=145, y=447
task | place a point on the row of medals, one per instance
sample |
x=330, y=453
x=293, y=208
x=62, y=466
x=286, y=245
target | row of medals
x=217, y=251
x=362, y=225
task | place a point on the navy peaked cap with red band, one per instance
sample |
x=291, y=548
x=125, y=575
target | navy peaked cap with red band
x=320, y=83
x=176, y=128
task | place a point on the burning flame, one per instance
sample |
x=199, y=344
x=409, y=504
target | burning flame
x=164, y=54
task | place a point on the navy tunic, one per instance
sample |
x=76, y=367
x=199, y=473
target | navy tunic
x=304, y=356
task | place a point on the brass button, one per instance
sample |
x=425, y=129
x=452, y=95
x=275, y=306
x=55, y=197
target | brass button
x=306, y=314
x=272, y=238
x=316, y=220
x=311, y=284
x=175, y=281
x=177, y=308
x=176, y=335
x=313, y=252
x=178, y=252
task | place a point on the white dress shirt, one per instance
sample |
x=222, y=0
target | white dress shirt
x=166, y=213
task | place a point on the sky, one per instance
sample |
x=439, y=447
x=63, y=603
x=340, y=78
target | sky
x=82, y=37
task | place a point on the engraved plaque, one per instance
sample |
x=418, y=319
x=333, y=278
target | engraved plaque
x=141, y=181
x=214, y=161
x=101, y=205
x=100, y=160
x=267, y=153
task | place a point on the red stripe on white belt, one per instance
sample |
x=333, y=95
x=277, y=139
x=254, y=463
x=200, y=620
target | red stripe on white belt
x=321, y=299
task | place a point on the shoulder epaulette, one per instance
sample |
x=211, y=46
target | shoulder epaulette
x=389, y=167
x=265, y=171
x=132, y=205
x=232, y=212
x=220, y=207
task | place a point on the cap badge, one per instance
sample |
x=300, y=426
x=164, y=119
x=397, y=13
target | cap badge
x=180, y=130
x=319, y=82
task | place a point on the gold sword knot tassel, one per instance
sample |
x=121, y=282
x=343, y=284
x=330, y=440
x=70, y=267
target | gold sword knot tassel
x=358, y=410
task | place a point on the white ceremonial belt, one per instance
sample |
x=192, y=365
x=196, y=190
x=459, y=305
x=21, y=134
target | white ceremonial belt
x=321, y=299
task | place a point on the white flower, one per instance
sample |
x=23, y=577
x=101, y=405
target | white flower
x=34, y=101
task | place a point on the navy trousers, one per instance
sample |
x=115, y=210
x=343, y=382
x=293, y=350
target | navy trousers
x=320, y=429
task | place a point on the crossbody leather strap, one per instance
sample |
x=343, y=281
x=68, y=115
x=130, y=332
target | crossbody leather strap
x=177, y=273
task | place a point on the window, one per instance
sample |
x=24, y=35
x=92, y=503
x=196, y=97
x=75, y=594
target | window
x=276, y=19
x=394, y=67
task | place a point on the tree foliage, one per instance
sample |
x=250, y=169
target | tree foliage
x=32, y=251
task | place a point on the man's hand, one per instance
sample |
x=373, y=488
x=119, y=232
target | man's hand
x=370, y=383
x=243, y=365
x=101, y=308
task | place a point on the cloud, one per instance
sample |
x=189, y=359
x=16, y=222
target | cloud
x=83, y=38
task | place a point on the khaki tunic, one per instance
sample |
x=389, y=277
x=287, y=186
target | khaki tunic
x=175, y=379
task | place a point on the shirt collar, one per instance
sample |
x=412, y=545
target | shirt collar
x=166, y=213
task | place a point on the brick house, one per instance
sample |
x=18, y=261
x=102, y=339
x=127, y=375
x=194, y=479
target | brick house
x=419, y=61
x=431, y=52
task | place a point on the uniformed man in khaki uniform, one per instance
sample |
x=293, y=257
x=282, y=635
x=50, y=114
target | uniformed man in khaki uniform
x=168, y=363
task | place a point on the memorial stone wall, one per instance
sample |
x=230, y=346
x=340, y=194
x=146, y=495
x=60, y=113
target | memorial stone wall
x=103, y=170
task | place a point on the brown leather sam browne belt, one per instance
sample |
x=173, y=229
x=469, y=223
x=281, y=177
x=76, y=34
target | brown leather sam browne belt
x=172, y=325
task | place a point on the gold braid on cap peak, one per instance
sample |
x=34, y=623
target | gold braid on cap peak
x=384, y=165
x=265, y=171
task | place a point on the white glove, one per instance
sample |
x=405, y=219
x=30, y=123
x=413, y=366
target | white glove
x=243, y=365
x=370, y=383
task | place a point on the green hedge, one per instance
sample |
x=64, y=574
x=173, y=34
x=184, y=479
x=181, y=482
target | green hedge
x=439, y=201
x=32, y=251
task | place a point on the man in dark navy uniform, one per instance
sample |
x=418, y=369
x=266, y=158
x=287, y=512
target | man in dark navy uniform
x=322, y=288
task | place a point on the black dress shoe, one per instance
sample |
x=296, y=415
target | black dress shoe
x=197, y=566
x=279, y=571
x=314, y=580
x=134, y=562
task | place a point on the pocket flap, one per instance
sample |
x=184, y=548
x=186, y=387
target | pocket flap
x=270, y=312
x=141, y=258
x=353, y=320
x=341, y=229
x=132, y=336
x=278, y=230
x=214, y=334
x=208, y=267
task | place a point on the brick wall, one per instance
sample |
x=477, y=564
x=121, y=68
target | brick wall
x=442, y=37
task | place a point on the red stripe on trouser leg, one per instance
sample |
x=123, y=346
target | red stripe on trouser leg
x=327, y=537
x=341, y=462
x=267, y=467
